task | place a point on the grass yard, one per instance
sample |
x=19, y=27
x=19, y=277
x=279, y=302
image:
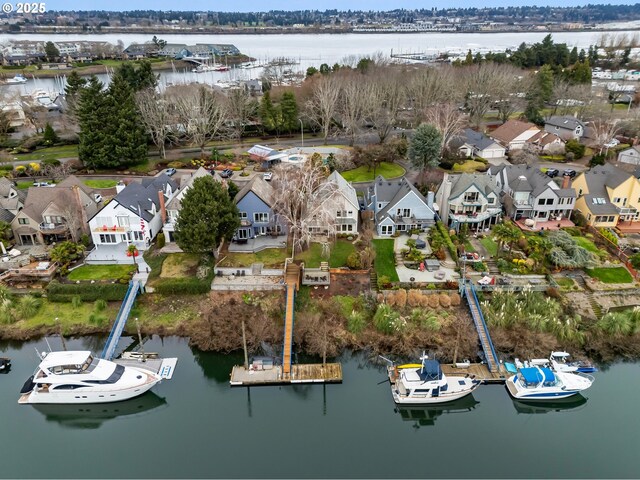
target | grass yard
x=586, y=244
x=565, y=283
x=337, y=255
x=67, y=315
x=180, y=265
x=490, y=244
x=24, y=184
x=469, y=166
x=363, y=174
x=101, y=183
x=271, y=257
x=100, y=272
x=468, y=247
x=610, y=275
x=385, y=263
x=63, y=151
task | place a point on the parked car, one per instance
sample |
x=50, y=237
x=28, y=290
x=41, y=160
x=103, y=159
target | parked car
x=267, y=176
x=552, y=172
x=170, y=171
x=613, y=143
x=226, y=173
x=42, y=184
x=569, y=173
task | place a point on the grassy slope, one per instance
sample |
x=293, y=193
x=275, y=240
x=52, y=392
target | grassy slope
x=385, y=259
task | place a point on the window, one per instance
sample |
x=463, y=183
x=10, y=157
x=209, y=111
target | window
x=611, y=218
x=107, y=238
x=579, y=192
x=491, y=200
x=589, y=217
x=261, y=217
x=339, y=213
x=541, y=201
x=561, y=201
x=138, y=236
x=616, y=199
x=23, y=221
x=549, y=201
x=243, y=215
x=123, y=221
x=386, y=229
x=242, y=234
x=471, y=197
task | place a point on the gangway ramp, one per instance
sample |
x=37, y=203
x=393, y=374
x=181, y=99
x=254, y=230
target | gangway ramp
x=292, y=280
x=118, y=326
x=481, y=327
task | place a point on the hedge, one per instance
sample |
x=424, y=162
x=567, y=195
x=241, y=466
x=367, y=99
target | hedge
x=88, y=292
x=181, y=286
x=447, y=239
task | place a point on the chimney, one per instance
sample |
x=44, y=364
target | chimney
x=430, y=199
x=84, y=221
x=119, y=187
x=163, y=210
x=566, y=181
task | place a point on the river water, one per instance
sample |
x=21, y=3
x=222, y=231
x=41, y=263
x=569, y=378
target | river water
x=196, y=426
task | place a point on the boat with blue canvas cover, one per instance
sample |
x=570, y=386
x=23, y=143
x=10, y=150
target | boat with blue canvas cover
x=560, y=363
x=427, y=384
x=543, y=384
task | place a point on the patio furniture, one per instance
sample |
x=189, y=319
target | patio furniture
x=439, y=275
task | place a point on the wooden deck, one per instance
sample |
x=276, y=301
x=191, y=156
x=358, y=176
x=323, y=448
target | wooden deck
x=480, y=370
x=303, y=373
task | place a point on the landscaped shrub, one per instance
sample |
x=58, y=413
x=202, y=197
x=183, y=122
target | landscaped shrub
x=386, y=319
x=97, y=319
x=356, y=321
x=100, y=305
x=353, y=260
x=609, y=235
x=445, y=300
x=76, y=301
x=426, y=319
x=160, y=240
x=28, y=306
x=447, y=239
x=433, y=301
x=181, y=286
x=87, y=292
x=575, y=147
x=455, y=299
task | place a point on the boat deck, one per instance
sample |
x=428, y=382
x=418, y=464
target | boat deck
x=300, y=373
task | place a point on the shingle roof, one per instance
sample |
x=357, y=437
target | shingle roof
x=6, y=186
x=139, y=197
x=566, y=121
x=596, y=205
x=261, y=188
x=72, y=180
x=461, y=183
x=477, y=139
x=6, y=215
x=602, y=176
x=511, y=129
x=39, y=198
x=524, y=178
x=393, y=191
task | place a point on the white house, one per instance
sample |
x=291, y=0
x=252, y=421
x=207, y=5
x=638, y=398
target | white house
x=630, y=155
x=134, y=216
x=343, y=204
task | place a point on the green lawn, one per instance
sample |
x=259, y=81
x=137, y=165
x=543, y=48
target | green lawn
x=180, y=265
x=610, y=275
x=363, y=174
x=101, y=272
x=469, y=166
x=24, y=184
x=586, y=244
x=271, y=257
x=337, y=255
x=490, y=244
x=101, y=183
x=385, y=263
x=63, y=151
x=67, y=315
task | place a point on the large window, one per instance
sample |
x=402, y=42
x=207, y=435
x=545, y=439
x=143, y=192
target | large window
x=123, y=221
x=471, y=196
x=138, y=236
x=386, y=229
x=243, y=215
x=261, y=217
x=23, y=221
x=107, y=238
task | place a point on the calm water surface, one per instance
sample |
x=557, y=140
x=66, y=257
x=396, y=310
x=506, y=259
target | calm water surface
x=197, y=426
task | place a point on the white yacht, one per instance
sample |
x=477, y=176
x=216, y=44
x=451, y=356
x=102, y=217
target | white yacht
x=422, y=384
x=19, y=78
x=560, y=363
x=541, y=383
x=78, y=377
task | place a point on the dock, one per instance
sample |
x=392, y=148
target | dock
x=300, y=373
x=479, y=370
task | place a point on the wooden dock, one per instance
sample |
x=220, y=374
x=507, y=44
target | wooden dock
x=302, y=373
x=480, y=370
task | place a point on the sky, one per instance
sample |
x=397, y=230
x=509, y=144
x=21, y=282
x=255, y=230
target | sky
x=262, y=5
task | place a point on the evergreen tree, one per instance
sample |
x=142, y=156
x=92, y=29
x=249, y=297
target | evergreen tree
x=580, y=73
x=469, y=58
x=207, y=215
x=573, y=56
x=72, y=91
x=145, y=76
x=51, y=51
x=424, y=149
x=232, y=189
x=289, y=108
x=92, y=114
x=544, y=83
x=50, y=137
x=266, y=111
x=582, y=56
x=311, y=71
x=324, y=69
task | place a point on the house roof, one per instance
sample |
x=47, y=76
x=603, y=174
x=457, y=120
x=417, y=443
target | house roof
x=185, y=184
x=461, y=183
x=566, y=121
x=262, y=151
x=602, y=176
x=6, y=215
x=524, y=178
x=345, y=187
x=39, y=198
x=139, y=197
x=507, y=132
x=392, y=191
x=6, y=186
x=72, y=180
x=477, y=139
x=600, y=205
x=261, y=188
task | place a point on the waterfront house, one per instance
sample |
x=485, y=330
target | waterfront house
x=476, y=144
x=53, y=214
x=609, y=197
x=173, y=206
x=469, y=198
x=342, y=203
x=398, y=206
x=514, y=134
x=566, y=127
x=630, y=155
x=255, y=206
x=529, y=194
x=134, y=216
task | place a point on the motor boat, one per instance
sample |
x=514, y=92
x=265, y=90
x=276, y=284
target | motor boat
x=542, y=384
x=78, y=377
x=424, y=383
x=560, y=363
x=5, y=364
x=18, y=79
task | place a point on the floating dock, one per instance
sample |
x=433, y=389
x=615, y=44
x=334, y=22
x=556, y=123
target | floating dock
x=300, y=373
x=480, y=370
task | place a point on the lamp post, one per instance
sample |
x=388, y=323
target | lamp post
x=301, y=132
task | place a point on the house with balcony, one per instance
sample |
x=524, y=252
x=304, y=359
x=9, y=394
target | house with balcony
x=341, y=201
x=257, y=218
x=53, y=214
x=532, y=199
x=398, y=206
x=609, y=197
x=469, y=198
x=173, y=206
x=133, y=217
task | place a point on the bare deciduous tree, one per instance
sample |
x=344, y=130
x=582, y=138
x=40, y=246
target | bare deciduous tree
x=386, y=97
x=603, y=128
x=481, y=84
x=430, y=86
x=448, y=120
x=510, y=86
x=301, y=196
x=36, y=115
x=157, y=117
x=57, y=172
x=242, y=107
x=353, y=101
x=323, y=104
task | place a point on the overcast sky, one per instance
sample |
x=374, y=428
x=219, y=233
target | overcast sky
x=261, y=5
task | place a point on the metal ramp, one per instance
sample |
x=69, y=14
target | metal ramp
x=118, y=326
x=481, y=327
x=292, y=280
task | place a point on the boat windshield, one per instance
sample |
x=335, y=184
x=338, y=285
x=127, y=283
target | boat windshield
x=86, y=367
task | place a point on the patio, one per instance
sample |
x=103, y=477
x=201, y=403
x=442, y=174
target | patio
x=408, y=275
x=109, y=254
x=546, y=225
x=257, y=244
x=628, y=227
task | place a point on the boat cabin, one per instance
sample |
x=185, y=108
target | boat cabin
x=66, y=363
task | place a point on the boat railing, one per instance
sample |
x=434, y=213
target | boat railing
x=591, y=378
